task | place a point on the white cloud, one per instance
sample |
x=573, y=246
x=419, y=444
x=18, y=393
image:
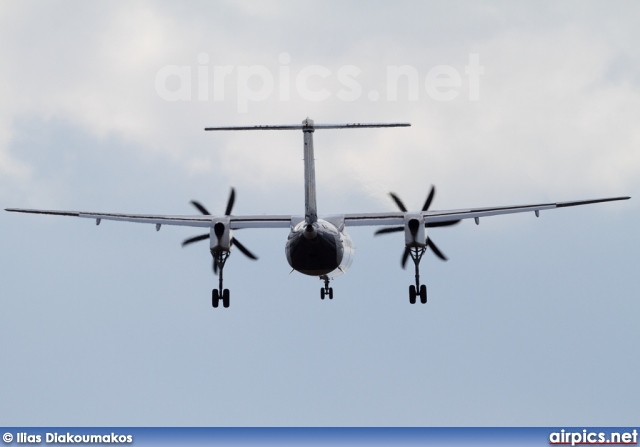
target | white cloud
x=547, y=107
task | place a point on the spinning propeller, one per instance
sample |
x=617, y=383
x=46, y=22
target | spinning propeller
x=413, y=226
x=218, y=230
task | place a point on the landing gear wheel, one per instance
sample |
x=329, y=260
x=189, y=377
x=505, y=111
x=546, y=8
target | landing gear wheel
x=215, y=297
x=412, y=294
x=225, y=298
x=423, y=294
x=326, y=290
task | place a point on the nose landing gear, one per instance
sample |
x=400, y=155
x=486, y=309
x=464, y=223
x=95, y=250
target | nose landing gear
x=326, y=290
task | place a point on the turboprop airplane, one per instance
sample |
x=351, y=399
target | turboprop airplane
x=319, y=246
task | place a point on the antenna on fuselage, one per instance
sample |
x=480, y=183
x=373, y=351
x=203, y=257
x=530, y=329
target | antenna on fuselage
x=308, y=127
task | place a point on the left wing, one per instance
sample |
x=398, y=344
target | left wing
x=266, y=221
x=397, y=218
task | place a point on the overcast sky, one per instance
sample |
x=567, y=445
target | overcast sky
x=530, y=322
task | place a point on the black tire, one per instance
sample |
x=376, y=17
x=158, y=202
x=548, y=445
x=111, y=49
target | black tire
x=412, y=294
x=225, y=298
x=215, y=298
x=423, y=294
x=322, y=293
x=330, y=293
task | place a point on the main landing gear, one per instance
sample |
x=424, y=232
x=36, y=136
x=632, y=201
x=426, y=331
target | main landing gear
x=219, y=259
x=417, y=290
x=326, y=290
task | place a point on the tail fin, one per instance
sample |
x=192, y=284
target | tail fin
x=308, y=127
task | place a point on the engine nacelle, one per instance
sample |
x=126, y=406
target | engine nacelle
x=415, y=233
x=220, y=236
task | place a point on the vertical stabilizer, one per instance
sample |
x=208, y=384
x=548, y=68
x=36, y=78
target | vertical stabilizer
x=310, y=207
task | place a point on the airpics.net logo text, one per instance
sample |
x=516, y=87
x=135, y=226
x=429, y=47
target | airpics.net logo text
x=255, y=83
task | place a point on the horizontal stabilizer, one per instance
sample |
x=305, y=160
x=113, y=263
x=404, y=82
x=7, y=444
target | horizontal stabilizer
x=310, y=126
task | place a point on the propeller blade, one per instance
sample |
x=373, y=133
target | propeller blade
x=405, y=256
x=388, y=230
x=447, y=223
x=243, y=249
x=201, y=208
x=398, y=202
x=435, y=249
x=232, y=199
x=191, y=240
x=427, y=203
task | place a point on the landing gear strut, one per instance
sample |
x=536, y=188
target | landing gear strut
x=417, y=290
x=219, y=259
x=326, y=290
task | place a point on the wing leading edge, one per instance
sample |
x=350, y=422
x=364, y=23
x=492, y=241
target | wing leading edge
x=284, y=221
x=257, y=221
x=397, y=218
